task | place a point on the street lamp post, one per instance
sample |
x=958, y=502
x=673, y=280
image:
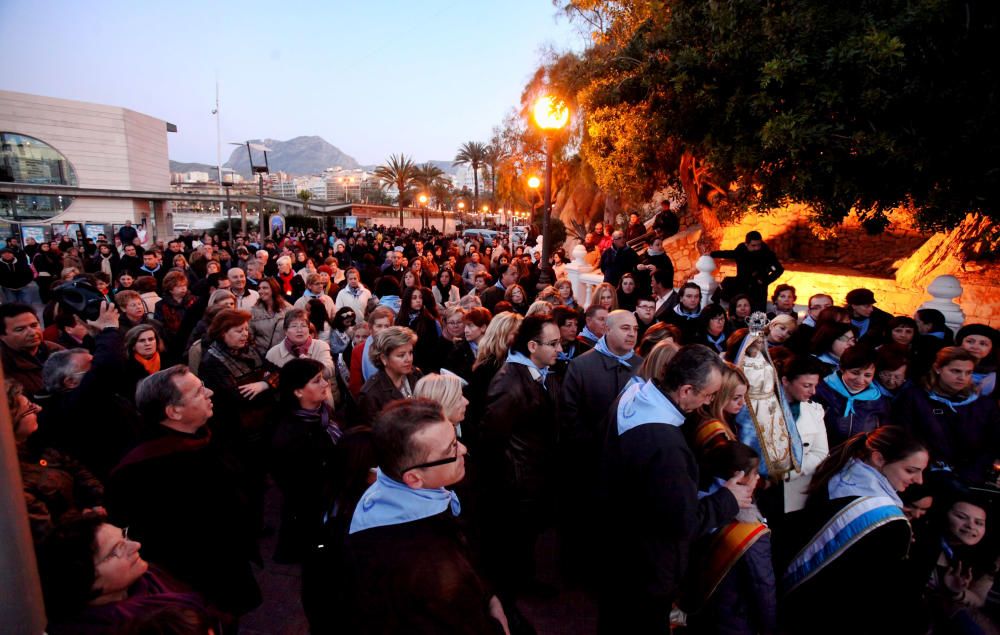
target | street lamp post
x=229, y=209
x=551, y=115
x=461, y=211
x=260, y=171
x=423, y=207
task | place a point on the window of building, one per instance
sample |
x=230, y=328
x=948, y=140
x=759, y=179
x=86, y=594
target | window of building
x=28, y=160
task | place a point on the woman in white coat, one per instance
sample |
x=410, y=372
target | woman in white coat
x=799, y=379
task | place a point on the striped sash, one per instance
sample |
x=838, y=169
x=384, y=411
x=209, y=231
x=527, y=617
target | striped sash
x=852, y=523
x=727, y=547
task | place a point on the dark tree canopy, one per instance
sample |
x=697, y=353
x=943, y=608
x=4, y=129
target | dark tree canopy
x=864, y=105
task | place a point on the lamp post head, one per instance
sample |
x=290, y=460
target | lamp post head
x=422, y=198
x=461, y=205
x=550, y=113
x=534, y=182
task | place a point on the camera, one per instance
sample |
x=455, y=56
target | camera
x=80, y=297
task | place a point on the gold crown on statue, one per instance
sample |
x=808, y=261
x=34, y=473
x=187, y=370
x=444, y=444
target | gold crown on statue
x=757, y=322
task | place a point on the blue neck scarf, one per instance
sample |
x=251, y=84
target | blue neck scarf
x=602, y=348
x=860, y=479
x=566, y=353
x=586, y=333
x=862, y=326
x=643, y=402
x=938, y=334
x=718, y=343
x=389, y=502
x=829, y=359
x=691, y=316
x=368, y=369
x=933, y=396
x=474, y=347
x=514, y=357
x=871, y=393
x=809, y=321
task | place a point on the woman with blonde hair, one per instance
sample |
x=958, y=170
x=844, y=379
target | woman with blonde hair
x=716, y=419
x=605, y=295
x=490, y=358
x=656, y=359
x=447, y=391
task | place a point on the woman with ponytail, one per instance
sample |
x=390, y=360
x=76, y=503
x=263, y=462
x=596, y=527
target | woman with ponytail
x=847, y=546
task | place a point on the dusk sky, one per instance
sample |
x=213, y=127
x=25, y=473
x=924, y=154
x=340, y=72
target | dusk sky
x=372, y=78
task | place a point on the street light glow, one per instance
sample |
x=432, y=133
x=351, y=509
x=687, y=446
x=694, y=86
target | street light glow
x=550, y=113
x=534, y=182
x=422, y=198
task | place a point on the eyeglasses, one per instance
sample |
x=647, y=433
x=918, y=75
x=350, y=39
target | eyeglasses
x=455, y=322
x=119, y=550
x=847, y=337
x=444, y=461
x=553, y=343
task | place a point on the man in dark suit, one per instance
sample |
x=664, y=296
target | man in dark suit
x=664, y=295
x=756, y=267
x=494, y=294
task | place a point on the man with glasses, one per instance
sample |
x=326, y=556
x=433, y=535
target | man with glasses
x=799, y=342
x=653, y=511
x=518, y=439
x=179, y=497
x=408, y=565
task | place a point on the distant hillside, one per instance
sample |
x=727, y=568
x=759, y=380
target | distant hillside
x=300, y=156
x=179, y=166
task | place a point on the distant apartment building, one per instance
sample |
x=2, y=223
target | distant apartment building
x=349, y=185
x=463, y=178
x=284, y=189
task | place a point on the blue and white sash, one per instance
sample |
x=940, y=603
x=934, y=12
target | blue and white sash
x=855, y=521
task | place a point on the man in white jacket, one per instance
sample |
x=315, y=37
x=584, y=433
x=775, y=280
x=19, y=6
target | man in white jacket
x=800, y=377
x=354, y=295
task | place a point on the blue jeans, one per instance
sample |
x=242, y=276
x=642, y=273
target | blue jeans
x=25, y=295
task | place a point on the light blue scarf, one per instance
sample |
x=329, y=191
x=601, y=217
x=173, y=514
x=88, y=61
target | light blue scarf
x=857, y=478
x=586, y=333
x=871, y=393
x=514, y=357
x=827, y=358
x=933, y=396
x=862, y=326
x=602, y=348
x=368, y=369
x=389, y=502
x=391, y=301
x=643, y=402
x=691, y=316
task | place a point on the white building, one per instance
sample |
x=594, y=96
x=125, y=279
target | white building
x=46, y=141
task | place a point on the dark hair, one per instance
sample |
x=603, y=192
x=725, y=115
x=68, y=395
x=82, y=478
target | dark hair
x=225, y=320
x=158, y=391
x=294, y=376
x=387, y=285
x=66, y=564
x=12, y=310
x=340, y=318
x=663, y=277
x=173, y=279
x=753, y=235
x=530, y=330
x=726, y=459
x=144, y=284
x=890, y=357
x=479, y=316
x=710, y=312
x=827, y=333
x=562, y=314
x=685, y=287
x=593, y=309
x=692, y=365
x=656, y=333
x=935, y=318
x=799, y=365
x=277, y=297
x=857, y=356
x=502, y=306
x=65, y=320
x=892, y=442
x=355, y=454
x=133, y=335
x=395, y=427
x=781, y=288
x=900, y=320
x=832, y=314
x=733, y=343
x=945, y=356
x=318, y=316
x=171, y=619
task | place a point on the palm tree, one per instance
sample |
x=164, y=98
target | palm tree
x=492, y=158
x=427, y=176
x=304, y=196
x=472, y=153
x=399, y=171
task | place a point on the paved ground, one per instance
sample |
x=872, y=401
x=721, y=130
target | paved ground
x=571, y=612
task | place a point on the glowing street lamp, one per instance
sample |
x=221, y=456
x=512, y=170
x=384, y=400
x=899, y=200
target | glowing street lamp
x=423, y=204
x=551, y=115
x=534, y=182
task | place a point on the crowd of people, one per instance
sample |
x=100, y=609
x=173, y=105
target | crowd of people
x=428, y=405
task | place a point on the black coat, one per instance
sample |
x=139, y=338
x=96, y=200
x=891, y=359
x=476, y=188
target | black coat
x=178, y=498
x=867, y=415
x=966, y=438
x=755, y=270
x=378, y=391
x=518, y=434
x=416, y=578
x=592, y=383
x=653, y=514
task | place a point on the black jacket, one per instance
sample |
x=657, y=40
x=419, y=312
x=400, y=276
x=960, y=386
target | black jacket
x=518, y=434
x=179, y=499
x=378, y=391
x=17, y=273
x=653, y=514
x=416, y=578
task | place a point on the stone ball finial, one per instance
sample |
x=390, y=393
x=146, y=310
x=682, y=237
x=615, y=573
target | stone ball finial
x=945, y=287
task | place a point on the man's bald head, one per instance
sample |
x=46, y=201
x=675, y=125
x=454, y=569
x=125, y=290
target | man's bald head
x=623, y=330
x=617, y=317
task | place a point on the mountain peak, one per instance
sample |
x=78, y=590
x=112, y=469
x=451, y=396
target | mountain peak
x=300, y=156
